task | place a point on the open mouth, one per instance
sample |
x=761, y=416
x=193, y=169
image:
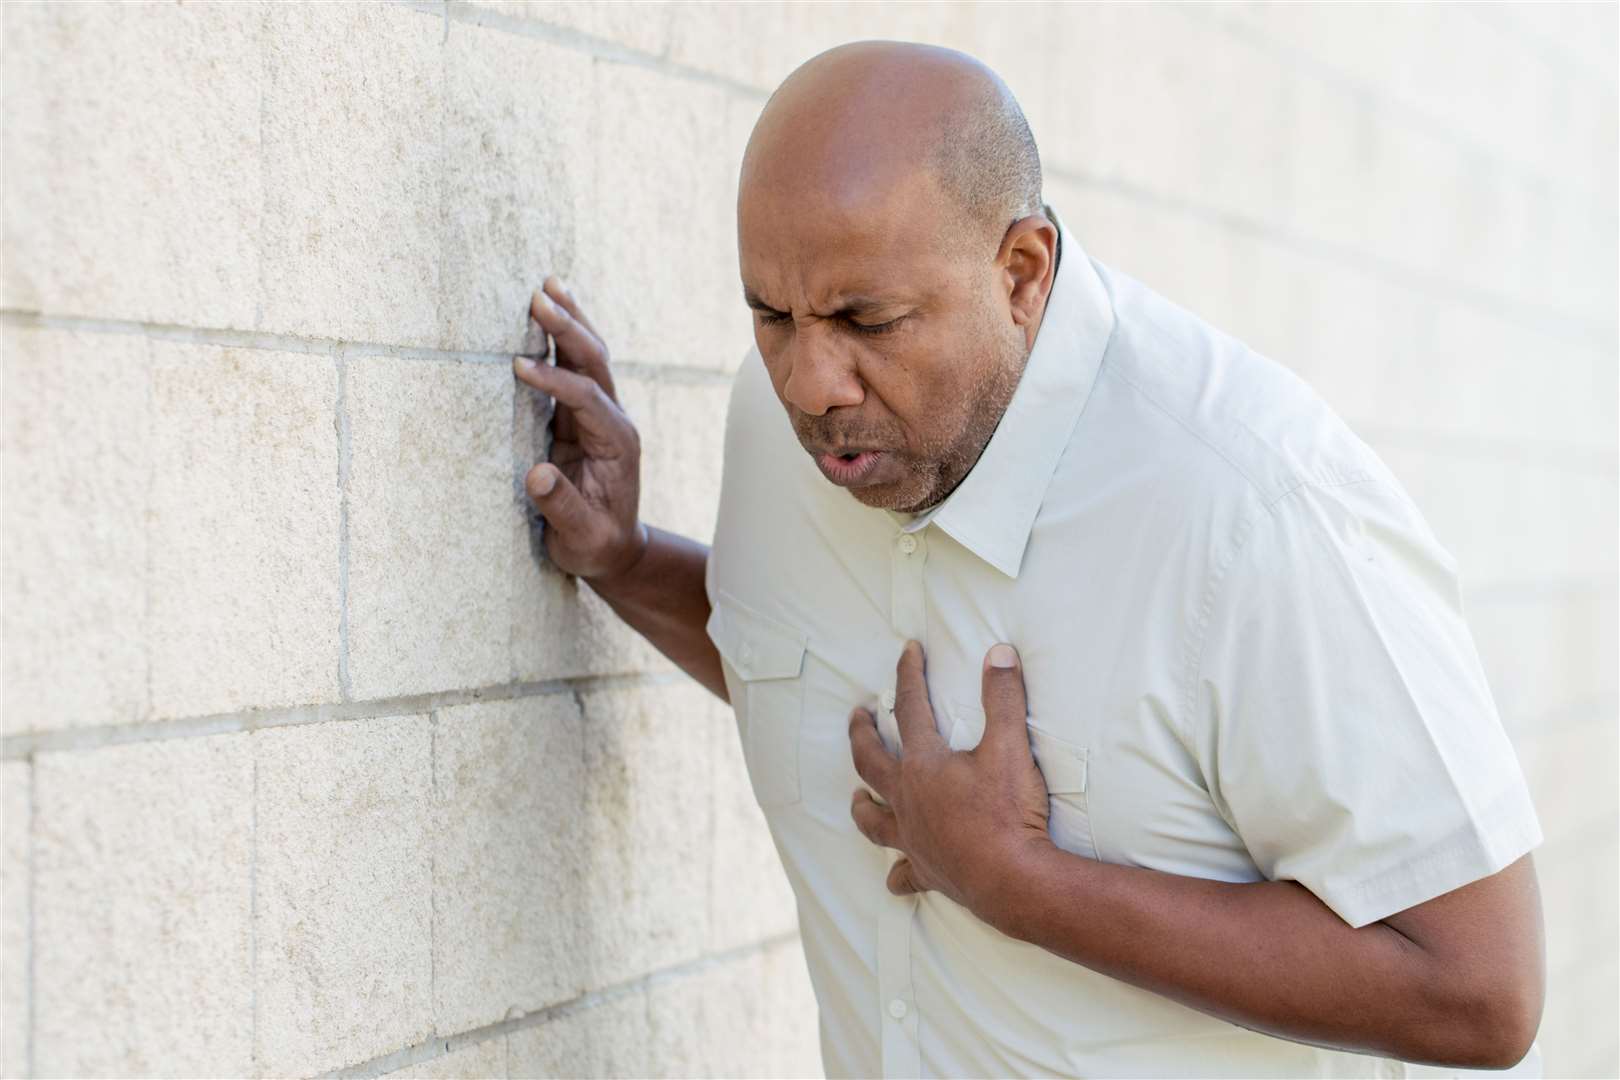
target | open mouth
x=850, y=468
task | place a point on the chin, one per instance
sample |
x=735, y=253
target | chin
x=887, y=497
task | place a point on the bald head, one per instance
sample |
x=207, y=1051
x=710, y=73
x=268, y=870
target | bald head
x=892, y=245
x=859, y=121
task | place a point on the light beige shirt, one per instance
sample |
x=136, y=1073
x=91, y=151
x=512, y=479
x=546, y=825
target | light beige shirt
x=1244, y=654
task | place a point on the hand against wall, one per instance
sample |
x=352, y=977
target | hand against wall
x=589, y=491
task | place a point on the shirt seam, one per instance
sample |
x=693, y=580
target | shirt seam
x=1328, y=478
x=1186, y=723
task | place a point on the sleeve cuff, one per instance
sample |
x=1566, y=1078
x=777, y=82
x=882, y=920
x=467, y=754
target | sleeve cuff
x=1479, y=849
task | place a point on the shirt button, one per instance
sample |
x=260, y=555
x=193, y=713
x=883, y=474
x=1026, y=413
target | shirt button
x=897, y=1009
x=747, y=653
x=908, y=543
x=888, y=699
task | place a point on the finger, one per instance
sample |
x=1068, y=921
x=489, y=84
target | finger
x=901, y=881
x=603, y=428
x=1006, y=724
x=577, y=348
x=911, y=709
x=876, y=821
x=873, y=761
x=558, y=500
x=560, y=293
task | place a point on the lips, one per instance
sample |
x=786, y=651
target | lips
x=851, y=472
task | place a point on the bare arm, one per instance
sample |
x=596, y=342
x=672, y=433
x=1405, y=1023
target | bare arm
x=1457, y=980
x=1454, y=981
x=663, y=598
x=590, y=490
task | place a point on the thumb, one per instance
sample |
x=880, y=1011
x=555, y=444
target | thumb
x=557, y=499
x=1005, y=712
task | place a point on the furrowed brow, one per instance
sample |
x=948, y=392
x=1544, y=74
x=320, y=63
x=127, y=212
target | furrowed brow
x=752, y=300
x=862, y=305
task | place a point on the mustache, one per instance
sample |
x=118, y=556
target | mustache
x=837, y=435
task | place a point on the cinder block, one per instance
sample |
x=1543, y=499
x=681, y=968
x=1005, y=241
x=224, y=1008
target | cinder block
x=683, y=430
x=1511, y=522
x=609, y=1038
x=480, y=1061
x=430, y=514
x=245, y=604
x=1579, y=1004
x=129, y=193
x=648, y=828
x=518, y=143
x=345, y=891
x=749, y=898
x=509, y=859
x=1335, y=150
x=352, y=124
x=751, y=1016
x=1569, y=770
x=657, y=271
x=1543, y=649
x=15, y=785
x=561, y=628
x=142, y=919
x=759, y=45
x=76, y=464
x=641, y=27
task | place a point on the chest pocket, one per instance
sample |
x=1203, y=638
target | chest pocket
x=767, y=656
x=1064, y=765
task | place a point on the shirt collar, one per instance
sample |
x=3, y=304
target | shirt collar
x=993, y=509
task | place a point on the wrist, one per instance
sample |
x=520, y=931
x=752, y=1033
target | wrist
x=641, y=543
x=1013, y=885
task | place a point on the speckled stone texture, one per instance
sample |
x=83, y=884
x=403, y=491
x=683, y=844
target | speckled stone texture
x=344, y=893
x=16, y=785
x=430, y=510
x=509, y=858
x=74, y=537
x=143, y=886
x=243, y=539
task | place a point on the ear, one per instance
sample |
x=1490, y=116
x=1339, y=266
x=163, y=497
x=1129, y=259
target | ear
x=1027, y=260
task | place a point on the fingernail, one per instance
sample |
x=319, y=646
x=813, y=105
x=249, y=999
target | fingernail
x=524, y=362
x=543, y=301
x=1003, y=656
x=546, y=481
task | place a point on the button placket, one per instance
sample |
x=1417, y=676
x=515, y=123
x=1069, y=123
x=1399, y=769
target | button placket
x=902, y=1054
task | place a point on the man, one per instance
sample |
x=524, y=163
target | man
x=1200, y=775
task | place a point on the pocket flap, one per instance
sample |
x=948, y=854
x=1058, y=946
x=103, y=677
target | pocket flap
x=757, y=645
x=1062, y=763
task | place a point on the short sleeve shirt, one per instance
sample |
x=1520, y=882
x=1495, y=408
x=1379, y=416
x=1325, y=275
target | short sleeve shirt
x=1245, y=658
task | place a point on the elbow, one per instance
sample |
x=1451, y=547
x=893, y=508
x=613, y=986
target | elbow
x=1492, y=1028
x=1514, y=1028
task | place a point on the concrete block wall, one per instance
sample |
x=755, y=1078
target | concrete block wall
x=310, y=765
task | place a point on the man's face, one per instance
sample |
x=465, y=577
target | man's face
x=883, y=330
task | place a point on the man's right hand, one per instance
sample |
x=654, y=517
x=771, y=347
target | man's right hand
x=590, y=490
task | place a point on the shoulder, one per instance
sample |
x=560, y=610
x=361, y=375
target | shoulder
x=1242, y=422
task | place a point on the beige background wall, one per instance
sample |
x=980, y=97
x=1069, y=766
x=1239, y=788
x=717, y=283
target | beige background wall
x=310, y=765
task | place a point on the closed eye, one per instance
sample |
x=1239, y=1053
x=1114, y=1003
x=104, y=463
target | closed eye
x=772, y=318
x=877, y=328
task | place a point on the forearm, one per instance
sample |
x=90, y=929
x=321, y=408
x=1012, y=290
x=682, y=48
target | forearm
x=663, y=598
x=1266, y=955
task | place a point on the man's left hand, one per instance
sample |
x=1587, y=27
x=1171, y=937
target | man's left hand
x=963, y=820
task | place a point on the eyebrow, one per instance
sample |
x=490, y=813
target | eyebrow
x=852, y=305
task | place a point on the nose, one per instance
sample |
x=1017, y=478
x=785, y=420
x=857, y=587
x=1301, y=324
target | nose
x=821, y=375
